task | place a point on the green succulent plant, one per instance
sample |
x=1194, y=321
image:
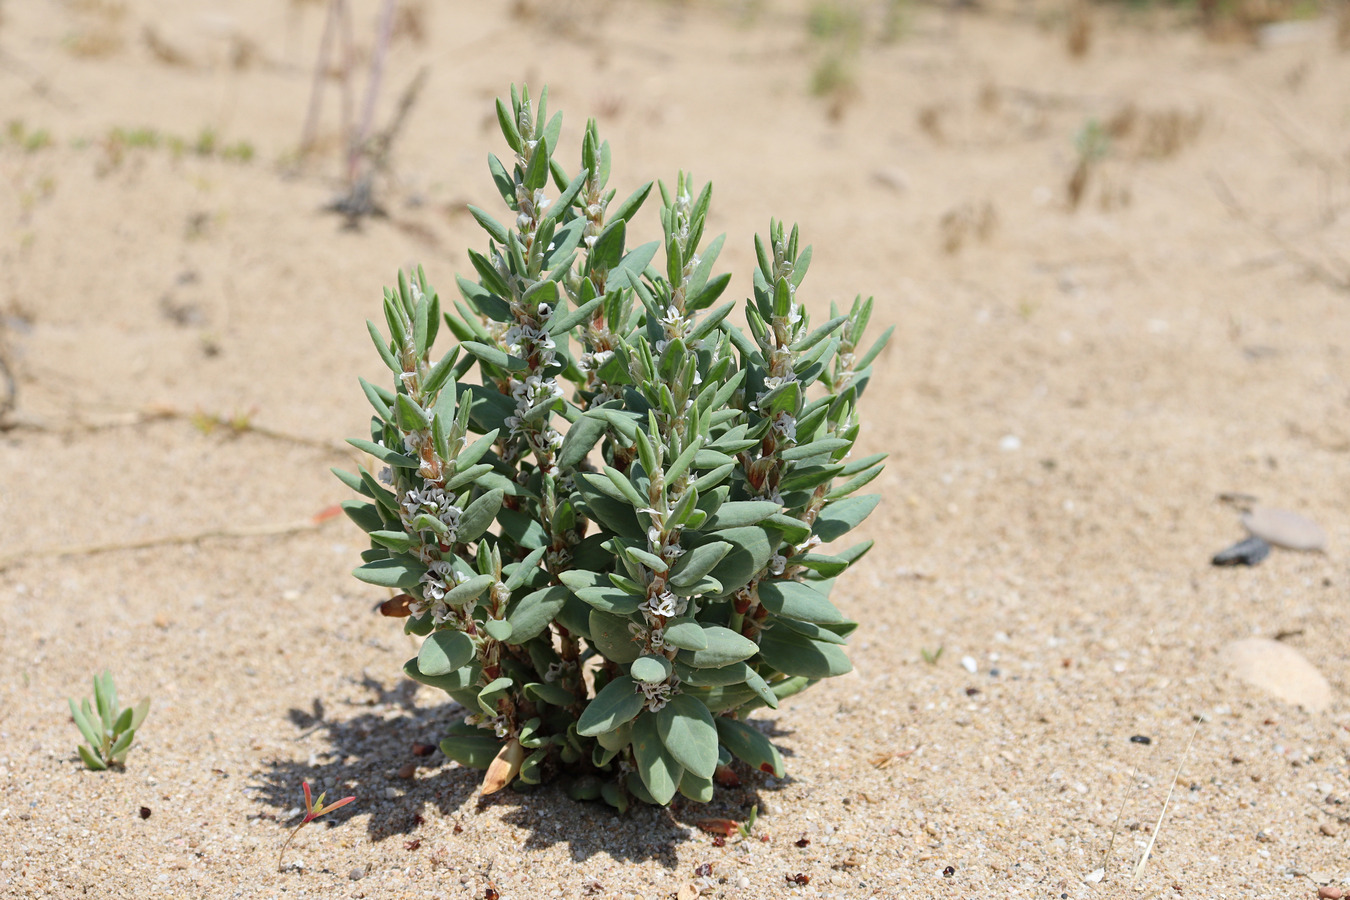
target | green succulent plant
x=108, y=731
x=611, y=535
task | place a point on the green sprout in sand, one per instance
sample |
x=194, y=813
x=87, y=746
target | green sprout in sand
x=108, y=731
x=313, y=809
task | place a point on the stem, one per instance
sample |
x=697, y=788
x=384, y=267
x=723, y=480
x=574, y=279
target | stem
x=288, y=843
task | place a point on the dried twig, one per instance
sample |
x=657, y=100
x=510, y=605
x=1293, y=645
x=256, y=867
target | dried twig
x=172, y=540
x=202, y=421
x=1334, y=273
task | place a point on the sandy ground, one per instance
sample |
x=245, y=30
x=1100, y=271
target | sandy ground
x=1067, y=394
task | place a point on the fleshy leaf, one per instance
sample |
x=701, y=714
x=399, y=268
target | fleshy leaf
x=618, y=702
x=659, y=770
x=687, y=730
x=444, y=651
x=750, y=746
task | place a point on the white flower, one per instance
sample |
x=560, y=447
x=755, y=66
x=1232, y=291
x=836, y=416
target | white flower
x=666, y=604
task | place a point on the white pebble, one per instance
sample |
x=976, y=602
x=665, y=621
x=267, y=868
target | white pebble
x=1095, y=876
x=1010, y=443
x=968, y=663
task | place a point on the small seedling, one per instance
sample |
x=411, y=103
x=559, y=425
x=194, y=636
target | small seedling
x=748, y=825
x=313, y=809
x=108, y=731
x=931, y=656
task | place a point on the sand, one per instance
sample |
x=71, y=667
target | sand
x=1068, y=392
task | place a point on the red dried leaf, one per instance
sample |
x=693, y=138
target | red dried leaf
x=724, y=827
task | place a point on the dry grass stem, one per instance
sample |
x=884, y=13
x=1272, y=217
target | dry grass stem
x=1148, y=851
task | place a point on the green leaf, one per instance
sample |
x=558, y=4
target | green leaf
x=608, y=248
x=798, y=601
x=687, y=730
x=524, y=529
x=549, y=692
x=532, y=613
x=659, y=770
x=395, y=572
x=499, y=630
x=384, y=454
x=119, y=749
x=478, y=515
x=866, y=359
x=752, y=550
x=625, y=487
x=724, y=648
x=444, y=651
x=685, y=634
x=635, y=262
x=495, y=356
x=841, y=516
x=471, y=746
x=795, y=654
x=536, y=173
x=736, y=673
x=139, y=712
x=386, y=354
x=739, y=513
x=366, y=516
x=827, y=566
x=815, y=448
x=618, y=702
x=84, y=725
x=650, y=669
x=496, y=230
x=565, y=323
x=700, y=790
x=469, y=591
x=750, y=746
x=398, y=541
x=492, y=692
x=631, y=204
x=598, y=593
x=756, y=683
x=698, y=562
x=584, y=433
x=611, y=637
x=810, y=629
x=90, y=760
x=454, y=683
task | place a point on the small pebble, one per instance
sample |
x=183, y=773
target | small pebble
x=1095, y=876
x=1010, y=443
x=1140, y=739
x=1246, y=552
x=1285, y=529
x=407, y=770
x=1330, y=892
x=968, y=663
x=391, y=793
x=356, y=874
x=1328, y=829
x=742, y=882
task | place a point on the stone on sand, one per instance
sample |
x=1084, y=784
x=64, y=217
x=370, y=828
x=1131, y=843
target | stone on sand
x=1280, y=670
x=1285, y=529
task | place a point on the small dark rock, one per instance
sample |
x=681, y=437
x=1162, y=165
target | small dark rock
x=1140, y=739
x=1244, y=553
x=145, y=812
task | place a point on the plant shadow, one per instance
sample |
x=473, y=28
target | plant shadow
x=375, y=756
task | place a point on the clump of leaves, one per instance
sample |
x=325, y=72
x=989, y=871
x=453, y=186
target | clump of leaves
x=611, y=534
x=108, y=730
